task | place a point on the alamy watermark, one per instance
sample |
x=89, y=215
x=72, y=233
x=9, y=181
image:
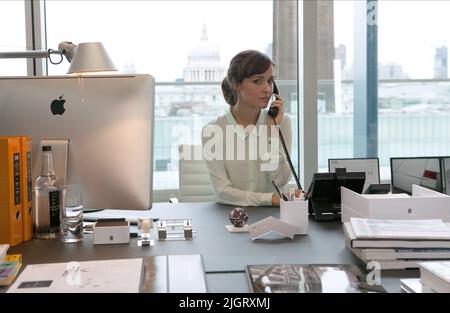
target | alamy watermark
x=372, y=13
x=373, y=278
x=231, y=145
x=73, y=274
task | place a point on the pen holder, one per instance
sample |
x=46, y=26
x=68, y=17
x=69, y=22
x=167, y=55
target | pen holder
x=295, y=213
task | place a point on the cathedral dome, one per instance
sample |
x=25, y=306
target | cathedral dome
x=204, y=62
x=204, y=50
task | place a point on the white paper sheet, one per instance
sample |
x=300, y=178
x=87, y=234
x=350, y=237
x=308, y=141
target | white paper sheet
x=121, y=275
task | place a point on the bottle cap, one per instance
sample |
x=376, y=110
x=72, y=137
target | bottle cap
x=46, y=148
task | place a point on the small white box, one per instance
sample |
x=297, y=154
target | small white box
x=295, y=213
x=423, y=204
x=111, y=232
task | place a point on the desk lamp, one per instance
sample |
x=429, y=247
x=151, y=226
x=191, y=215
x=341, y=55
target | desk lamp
x=86, y=57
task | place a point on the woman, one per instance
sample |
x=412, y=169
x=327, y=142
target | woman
x=242, y=149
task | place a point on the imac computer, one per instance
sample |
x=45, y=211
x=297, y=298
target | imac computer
x=368, y=165
x=324, y=193
x=422, y=171
x=108, y=121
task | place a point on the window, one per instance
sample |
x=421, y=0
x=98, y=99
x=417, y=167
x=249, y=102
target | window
x=186, y=46
x=13, y=38
x=335, y=85
x=413, y=88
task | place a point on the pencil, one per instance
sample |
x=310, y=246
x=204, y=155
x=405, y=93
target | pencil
x=282, y=196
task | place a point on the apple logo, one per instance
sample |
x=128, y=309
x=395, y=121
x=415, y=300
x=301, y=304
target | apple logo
x=57, y=106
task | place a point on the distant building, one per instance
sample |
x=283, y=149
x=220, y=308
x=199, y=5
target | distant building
x=340, y=55
x=391, y=71
x=348, y=73
x=129, y=68
x=340, y=58
x=204, y=66
x=269, y=50
x=326, y=54
x=204, y=62
x=440, y=63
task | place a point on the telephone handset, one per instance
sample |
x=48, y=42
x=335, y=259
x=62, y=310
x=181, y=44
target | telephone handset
x=273, y=111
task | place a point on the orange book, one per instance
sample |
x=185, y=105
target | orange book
x=27, y=188
x=10, y=198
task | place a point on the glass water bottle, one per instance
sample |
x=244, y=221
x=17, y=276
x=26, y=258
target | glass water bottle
x=46, y=201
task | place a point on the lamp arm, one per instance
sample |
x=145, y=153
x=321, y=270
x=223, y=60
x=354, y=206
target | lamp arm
x=34, y=54
x=24, y=54
x=67, y=49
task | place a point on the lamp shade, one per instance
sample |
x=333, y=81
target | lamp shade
x=91, y=57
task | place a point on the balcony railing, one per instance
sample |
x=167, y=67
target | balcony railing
x=414, y=120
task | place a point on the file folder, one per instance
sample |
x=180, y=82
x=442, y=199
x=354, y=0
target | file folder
x=10, y=192
x=27, y=188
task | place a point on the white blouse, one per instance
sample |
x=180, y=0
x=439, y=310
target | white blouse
x=244, y=177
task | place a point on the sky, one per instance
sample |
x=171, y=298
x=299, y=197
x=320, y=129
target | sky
x=159, y=35
x=409, y=31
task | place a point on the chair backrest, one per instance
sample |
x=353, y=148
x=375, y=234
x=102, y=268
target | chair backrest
x=195, y=184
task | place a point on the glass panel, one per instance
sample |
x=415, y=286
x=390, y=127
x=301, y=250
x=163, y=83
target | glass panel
x=335, y=86
x=185, y=45
x=414, y=98
x=13, y=37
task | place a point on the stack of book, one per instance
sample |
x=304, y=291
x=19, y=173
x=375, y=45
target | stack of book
x=414, y=285
x=398, y=244
x=434, y=277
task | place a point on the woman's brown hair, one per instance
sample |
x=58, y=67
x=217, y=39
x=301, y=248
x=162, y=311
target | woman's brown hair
x=245, y=64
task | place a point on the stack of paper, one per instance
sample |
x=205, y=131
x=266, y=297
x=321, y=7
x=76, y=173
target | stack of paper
x=414, y=285
x=160, y=274
x=123, y=275
x=398, y=244
x=435, y=276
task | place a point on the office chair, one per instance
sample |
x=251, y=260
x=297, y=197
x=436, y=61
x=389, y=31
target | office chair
x=195, y=184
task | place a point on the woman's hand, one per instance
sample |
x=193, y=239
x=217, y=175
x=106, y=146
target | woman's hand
x=297, y=194
x=278, y=103
x=275, y=199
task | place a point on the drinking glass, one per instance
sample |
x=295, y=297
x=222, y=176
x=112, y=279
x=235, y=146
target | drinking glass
x=71, y=214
